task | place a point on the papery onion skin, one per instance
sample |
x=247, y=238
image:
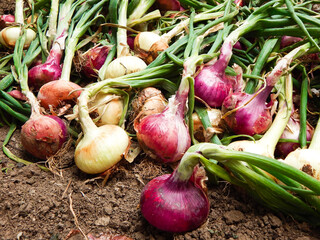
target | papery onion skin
x=42, y=136
x=174, y=206
x=163, y=136
x=254, y=118
x=101, y=149
x=58, y=92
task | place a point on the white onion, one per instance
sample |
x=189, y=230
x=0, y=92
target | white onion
x=9, y=36
x=101, y=148
x=124, y=65
x=145, y=40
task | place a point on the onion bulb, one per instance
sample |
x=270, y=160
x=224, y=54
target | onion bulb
x=58, y=93
x=9, y=36
x=108, y=107
x=165, y=136
x=175, y=202
x=101, y=148
x=42, y=136
x=306, y=160
x=124, y=65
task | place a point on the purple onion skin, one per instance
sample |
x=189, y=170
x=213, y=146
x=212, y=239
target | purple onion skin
x=48, y=71
x=289, y=40
x=8, y=18
x=164, y=136
x=284, y=148
x=42, y=136
x=94, y=59
x=171, y=5
x=173, y=205
x=254, y=118
x=212, y=85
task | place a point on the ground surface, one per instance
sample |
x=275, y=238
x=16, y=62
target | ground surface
x=35, y=204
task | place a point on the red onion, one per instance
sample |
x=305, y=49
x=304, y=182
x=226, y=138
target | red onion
x=292, y=132
x=7, y=18
x=17, y=95
x=175, y=202
x=93, y=60
x=48, y=71
x=254, y=118
x=58, y=93
x=212, y=85
x=289, y=40
x=43, y=136
x=238, y=3
x=165, y=136
x=172, y=5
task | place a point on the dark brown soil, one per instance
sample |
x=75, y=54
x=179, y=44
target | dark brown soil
x=35, y=204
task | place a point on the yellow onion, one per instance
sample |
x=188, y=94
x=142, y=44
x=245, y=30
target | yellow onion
x=9, y=36
x=109, y=108
x=101, y=148
x=124, y=65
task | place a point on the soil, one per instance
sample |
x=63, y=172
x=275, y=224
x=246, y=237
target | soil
x=37, y=204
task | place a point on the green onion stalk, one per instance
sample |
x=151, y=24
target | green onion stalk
x=51, y=70
x=136, y=12
x=42, y=136
x=158, y=133
x=149, y=44
x=100, y=148
x=125, y=63
x=9, y=35
x=57, y=93
x=295, y=194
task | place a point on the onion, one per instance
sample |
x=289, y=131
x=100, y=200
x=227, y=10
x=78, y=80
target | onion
x=306, y=160
x=7, y=18
x=58, y=93
x=43, y=136
x=93, y=59
x=289, y=40
x=100, y=147
x=48, y=71
x=267, y=144
x=212, y=85
x=9, y=36
x=149, y=101
x=253, y=118
x=164, y=136
x=202, y=134
x=292, y=132
x=108, y=107
x=175, y=202
x=171, y=5
x=124, y=65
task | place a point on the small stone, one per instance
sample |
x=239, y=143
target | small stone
x=108, y=209
x=103, y=221
x=275, y=221
x=233, y=216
